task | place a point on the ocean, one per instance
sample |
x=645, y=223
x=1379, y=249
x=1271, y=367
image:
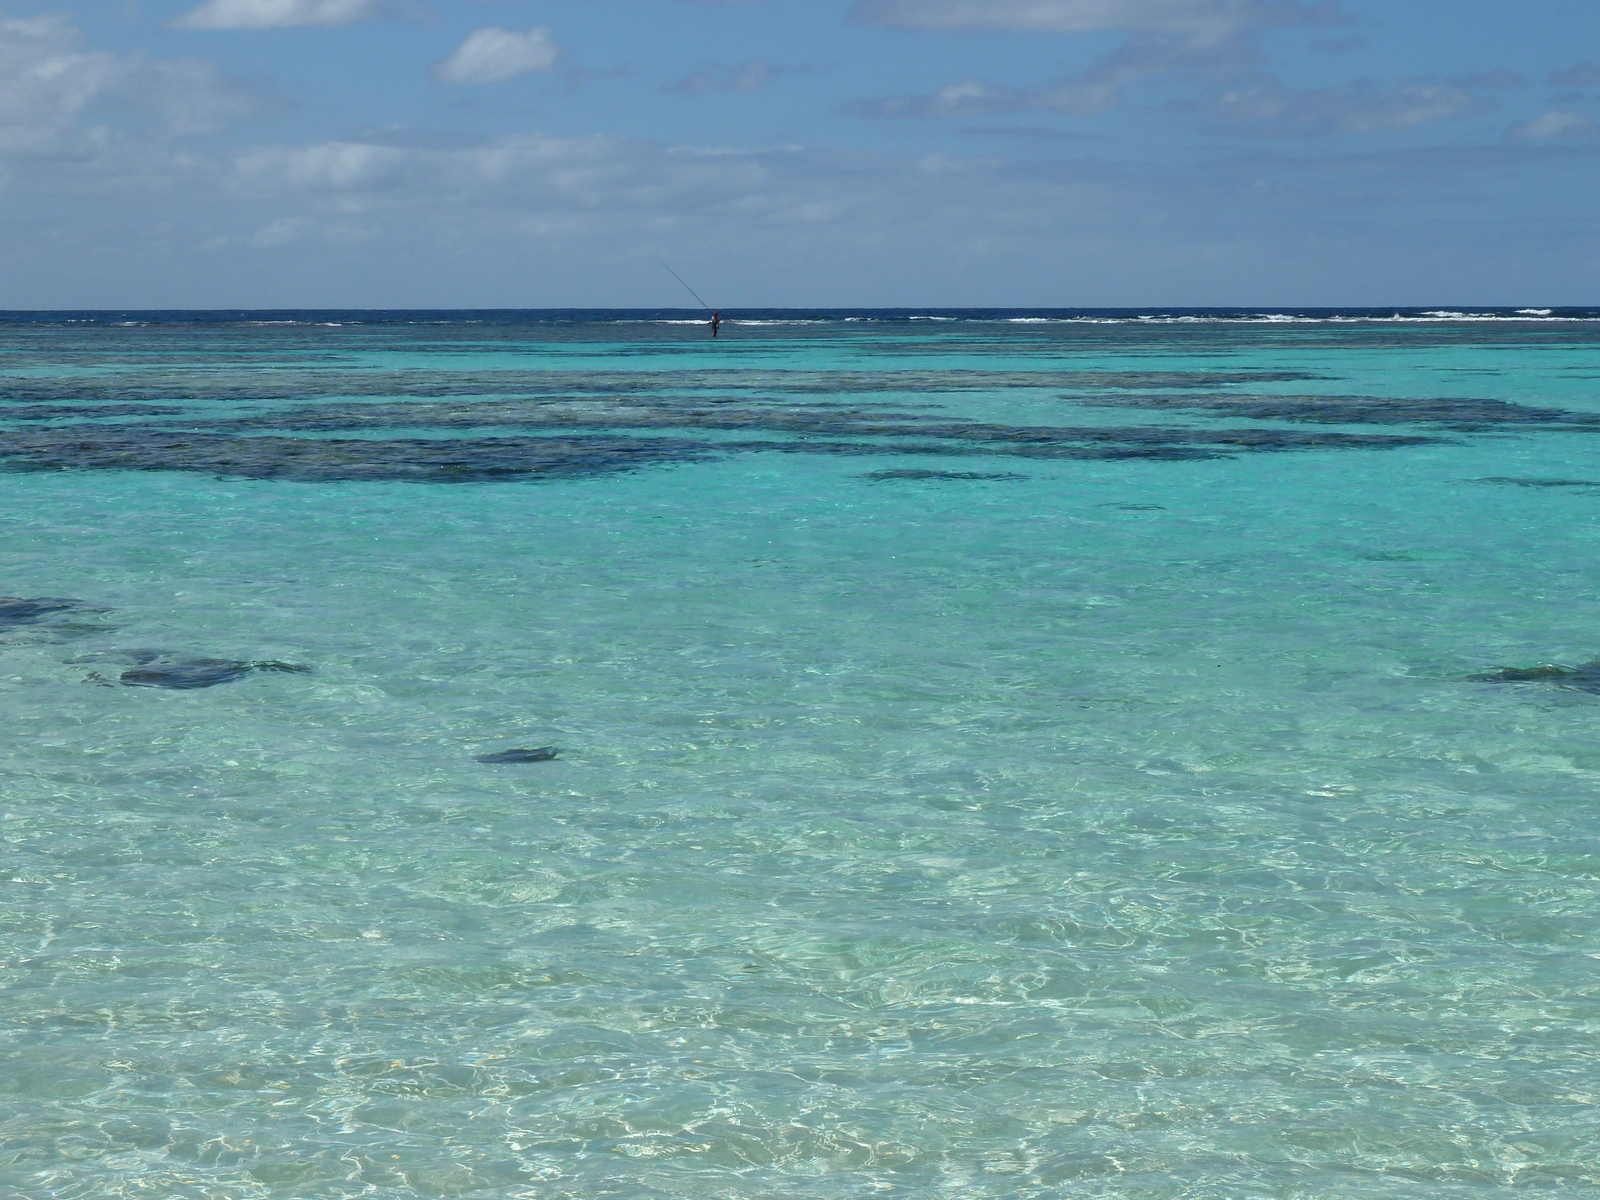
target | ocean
x=1140, y=755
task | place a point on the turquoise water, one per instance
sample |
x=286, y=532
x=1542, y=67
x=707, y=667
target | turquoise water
x=1121, y=822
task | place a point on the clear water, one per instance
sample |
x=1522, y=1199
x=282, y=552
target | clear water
x=1126, y=829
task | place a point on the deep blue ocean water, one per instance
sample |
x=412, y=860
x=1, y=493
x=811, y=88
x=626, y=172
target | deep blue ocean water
x=999, y=755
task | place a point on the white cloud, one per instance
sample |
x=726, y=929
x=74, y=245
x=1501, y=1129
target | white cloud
x=283, y=232
x=291, y=231
x=522, y=172
x=748, y=76
x=492, y=55
x=1556, y=126
x=1200, y=22
x=1208, y=38
x=975, y=97
x=276, y=14
x=45, y=82
x=1268, y=108
x=50, y=87
x=602, y=199
x=329, y=166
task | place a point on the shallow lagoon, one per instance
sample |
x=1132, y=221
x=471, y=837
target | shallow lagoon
x=1127, y=829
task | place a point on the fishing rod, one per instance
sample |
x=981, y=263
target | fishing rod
x=716, y=317
x=679, y=278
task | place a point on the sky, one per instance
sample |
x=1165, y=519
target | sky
x=798, y=153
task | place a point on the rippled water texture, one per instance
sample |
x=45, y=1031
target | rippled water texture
x=977, y=758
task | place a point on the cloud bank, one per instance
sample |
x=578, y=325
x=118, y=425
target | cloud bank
x=1208, y=39
x=60, y=101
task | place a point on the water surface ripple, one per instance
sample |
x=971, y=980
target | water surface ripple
x=1014, y=755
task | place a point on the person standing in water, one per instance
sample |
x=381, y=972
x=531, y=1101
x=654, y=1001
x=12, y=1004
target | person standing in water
x=716, y=323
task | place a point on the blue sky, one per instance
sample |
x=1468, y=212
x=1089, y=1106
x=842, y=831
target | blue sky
x=522, y=153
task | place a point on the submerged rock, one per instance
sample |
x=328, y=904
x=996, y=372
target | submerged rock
x=191, y=673
x=541, y=754
x=14, y=610
x=156, y=668
x=1583, y=678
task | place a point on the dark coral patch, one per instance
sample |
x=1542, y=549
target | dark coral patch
x=810, y=422
x=299, y=384
x=63, y=412
x=1541, y=483
x=1454, y=414
x=14, y=610
x=1583, y=678
x=49, y=618
x=474, y=460
x=138, y=448
x=912, y=473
